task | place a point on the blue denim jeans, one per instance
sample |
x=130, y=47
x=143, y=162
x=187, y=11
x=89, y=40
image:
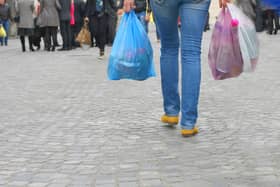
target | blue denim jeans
x=193, y=15
x=141, y=16
x=6, y=25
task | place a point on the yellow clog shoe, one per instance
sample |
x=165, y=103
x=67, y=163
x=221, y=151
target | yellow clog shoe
x=172, y=120
x=189, y=132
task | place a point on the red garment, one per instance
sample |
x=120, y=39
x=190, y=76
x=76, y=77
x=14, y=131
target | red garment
x=72, y=14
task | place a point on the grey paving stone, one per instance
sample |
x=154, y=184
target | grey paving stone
x=128, y=184
x=62, y=123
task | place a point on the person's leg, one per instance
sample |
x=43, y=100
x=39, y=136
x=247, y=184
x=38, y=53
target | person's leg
x=269, y=21
x=142, y=18
x=55, y=38
x=193, y=16
x=47, y=38
x=276, y=21
x=112, y=23
x=53, y=33
x=43, y=35
x=166, y=14
x=92, y=28
x=6, y=26
x=101, y=33
x=63, y=34
x=68, y=35
x=73, y=35
x=30, y=43
x=22, y=40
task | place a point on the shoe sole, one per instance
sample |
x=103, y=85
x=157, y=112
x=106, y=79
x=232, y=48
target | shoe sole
x=196, y=131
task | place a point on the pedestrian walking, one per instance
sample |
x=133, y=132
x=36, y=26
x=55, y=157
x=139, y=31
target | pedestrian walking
x=24, y=9
x=49, y=20
x=273, y=21
x=65, y=28
x=97, y=14
x=5, y=17
x=193, y=16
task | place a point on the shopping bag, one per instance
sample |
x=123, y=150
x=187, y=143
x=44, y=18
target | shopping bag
x=84, y=37
x=224, y=56
x=3, y=33
x=248, y=40
x=132, y=54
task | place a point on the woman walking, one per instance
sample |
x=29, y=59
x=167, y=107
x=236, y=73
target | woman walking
x=49, y=20
x=193, y=15
x=5, y=15
x=24, y=9
x=96, y=13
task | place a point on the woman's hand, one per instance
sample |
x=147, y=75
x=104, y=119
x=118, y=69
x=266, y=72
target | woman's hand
x=147, y=17
x=128, y=5
x=223, y=3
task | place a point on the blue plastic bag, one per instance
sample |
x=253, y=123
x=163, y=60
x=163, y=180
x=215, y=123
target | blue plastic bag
x=132, y=54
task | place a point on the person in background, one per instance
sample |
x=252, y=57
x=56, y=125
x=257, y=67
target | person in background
x=5, y=16
x=65, y=29
x=112, y=23
x=79, y=8
x=142, y=10
x=24, y=9
x=97, y=14
x=49, y=20
x=193, y=15
x=36, y=38
x=273, y=21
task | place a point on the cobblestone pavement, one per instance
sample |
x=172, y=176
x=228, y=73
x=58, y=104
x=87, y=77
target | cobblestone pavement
x=63, y=124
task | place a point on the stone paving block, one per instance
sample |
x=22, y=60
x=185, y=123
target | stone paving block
x=128, y=184
x=62, y=119
x=37, y=184
x=151, y=183
x=17, y=183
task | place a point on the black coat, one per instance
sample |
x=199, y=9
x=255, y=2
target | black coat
x=79, y=12
x=91, y=7
x=64, y=12
x=140, y=5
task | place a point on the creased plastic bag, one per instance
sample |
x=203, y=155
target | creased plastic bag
x=84, y=37
x=224, y=57
x=132, y=54
x=248, y=40
x=3, y=33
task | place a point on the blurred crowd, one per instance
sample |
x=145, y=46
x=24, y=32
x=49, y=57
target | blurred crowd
x=40, y=21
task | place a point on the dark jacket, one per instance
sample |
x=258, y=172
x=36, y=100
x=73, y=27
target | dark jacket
x=5, y=12
x=140, y=5
x=91, y=7
x=79, y=12
x=64, y=12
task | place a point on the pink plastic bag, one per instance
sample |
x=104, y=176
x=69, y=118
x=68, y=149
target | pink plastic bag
x=225, y=59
